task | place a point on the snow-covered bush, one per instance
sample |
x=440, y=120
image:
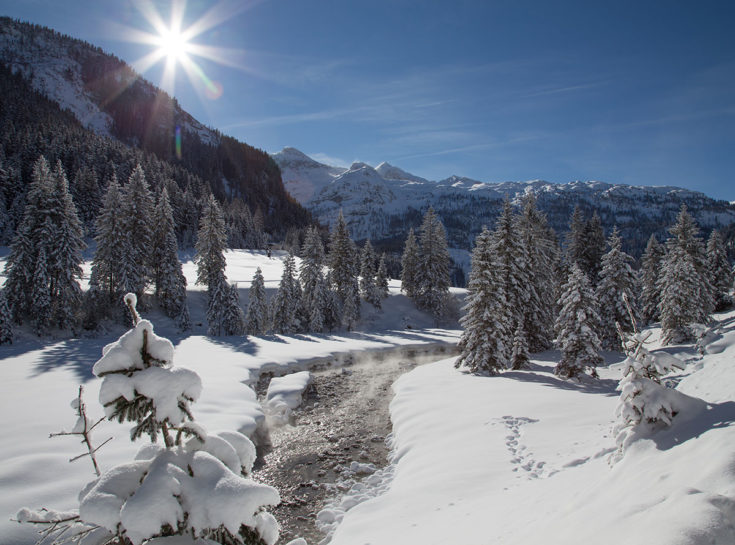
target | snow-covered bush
x=193, y=485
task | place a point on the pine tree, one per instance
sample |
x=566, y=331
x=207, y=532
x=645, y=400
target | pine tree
x=574, y=240
x=617, y=283
x=594, y=248
x=109, y=265
x=651, y=263
x=169, y=280
x=719, y=270
x=575, y=327
x=512, y=263
x=432, y=278
x=41, y=296
x=311, y=275
x=287, y=301
x=256, y=320
x=519, y=357
x=344, y=270
x=6, y=321
x=543, y=262
x=233, y=318
x=368, y=289
x=486, y=329
x=410, y=265
x=381, y=279
x=351, y=308
x=137, y=217
x=687, y=295
x=316, y=315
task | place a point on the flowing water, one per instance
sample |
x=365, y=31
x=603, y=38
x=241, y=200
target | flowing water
x=344, y=418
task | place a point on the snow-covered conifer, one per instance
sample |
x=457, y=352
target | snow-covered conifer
x=410, y=265
x=574, y=240
x=169, y=280
x=287, y=301
x=6, y=321
x=256, y=320
x=541, y=245
x=575, y=327
x=519, y=357
x=344, y=268
x=137, y=217
x=41, y=296
x=651, y=263
x=316, y=315
x=617, y=284
x=432, y=278
x=483, y=345
x=687, y=295
x=332, y=310
x=594, y=248
x=110, y=266
x=351, y=308
x=719, y=270
x=368, y=290
x=233, y=318
x=311, y=275
x=511, y=261
x=381, y=278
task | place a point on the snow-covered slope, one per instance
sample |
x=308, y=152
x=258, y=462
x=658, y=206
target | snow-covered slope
x=523, y=458
x=383, y=202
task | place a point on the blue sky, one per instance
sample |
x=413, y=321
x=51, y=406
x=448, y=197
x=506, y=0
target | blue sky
x=638, y=92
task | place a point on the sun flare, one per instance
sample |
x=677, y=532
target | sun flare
x=173, y=45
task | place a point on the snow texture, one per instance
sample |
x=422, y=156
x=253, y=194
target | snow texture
x=286, y=394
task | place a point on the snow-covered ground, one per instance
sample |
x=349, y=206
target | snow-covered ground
x=518, y=458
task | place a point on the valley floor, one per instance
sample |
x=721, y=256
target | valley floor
x=518, y=458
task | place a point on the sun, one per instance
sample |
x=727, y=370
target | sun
x=173, y=45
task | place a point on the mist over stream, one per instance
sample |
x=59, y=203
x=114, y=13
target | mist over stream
x=344, y=419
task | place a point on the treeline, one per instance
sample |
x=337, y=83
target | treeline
x=525, y=294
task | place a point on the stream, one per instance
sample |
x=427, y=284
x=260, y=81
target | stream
x=344, y=418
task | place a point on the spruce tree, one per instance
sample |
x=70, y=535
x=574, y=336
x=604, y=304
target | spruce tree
x=541, y=246
x=410, y=265
x=109, y=265
x=575, y=327
x=256, y=320
x=432, y=278
x=594, y=248
x=719, y=270
x=6, y=321
x=169, y=280
x=651, y=263
x=311, y=275
x=287, y=301
x=381, y=278
x=344, y=271
x=519, y=357
x=41, y=296
x=687, y=295
x=368, y=290
x=486, y=330
x=137, y=217
x=512, y=263
x=574, y=241
x=617, y=283
x=316, y=314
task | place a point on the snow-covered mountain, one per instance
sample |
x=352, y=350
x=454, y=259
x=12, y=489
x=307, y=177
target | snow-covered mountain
x=382, y=203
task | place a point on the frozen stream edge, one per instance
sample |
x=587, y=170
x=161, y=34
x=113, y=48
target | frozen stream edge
x=336, y=451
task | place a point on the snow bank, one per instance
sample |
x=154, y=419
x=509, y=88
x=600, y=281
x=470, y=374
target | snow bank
x=286, y=394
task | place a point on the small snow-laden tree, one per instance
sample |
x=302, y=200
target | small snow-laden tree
x=287, y=301
x=6, y=321
x=486, y=325
x=351, y=307
x=651, y=263
x=137, y=218
x=381, y=279
x=576, y=327
x=195, y=485
x=168, y=277
x=645, y=404
x=617, y=284
x=316, y=317
x=256, y=320
x=719, y=270
x=432, y=278
x=368, y=289
x=311, y=275
x=224, y=315
x=332, y=308
x=410, y=265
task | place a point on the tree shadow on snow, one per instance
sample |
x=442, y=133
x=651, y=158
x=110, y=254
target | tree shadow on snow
x=78, y=355
x=585, y=383
x=237, y=343
x=716, y=415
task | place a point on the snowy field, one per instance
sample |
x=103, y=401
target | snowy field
x=518, y=458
